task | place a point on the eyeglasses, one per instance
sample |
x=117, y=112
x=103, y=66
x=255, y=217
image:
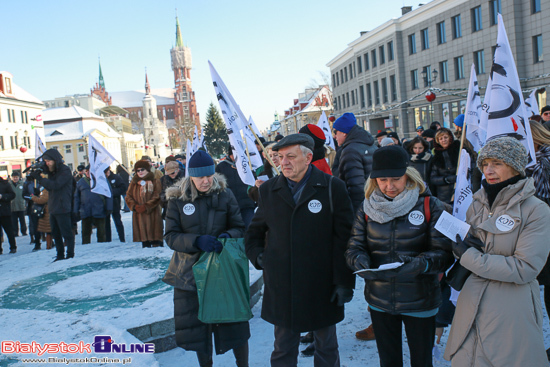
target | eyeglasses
x=172, y=173
x=141, y=170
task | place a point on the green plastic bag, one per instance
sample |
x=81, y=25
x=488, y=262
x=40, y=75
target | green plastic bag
x=223, y=284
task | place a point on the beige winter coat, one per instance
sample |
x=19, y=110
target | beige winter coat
x=502, y=296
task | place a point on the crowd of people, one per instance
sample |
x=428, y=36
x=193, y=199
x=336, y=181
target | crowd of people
x=313, y=220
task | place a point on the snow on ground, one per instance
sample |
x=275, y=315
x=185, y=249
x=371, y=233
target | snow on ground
x=111, y=287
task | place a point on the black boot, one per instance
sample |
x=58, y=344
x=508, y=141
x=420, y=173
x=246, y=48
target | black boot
x=36, y=246
x=309, y=351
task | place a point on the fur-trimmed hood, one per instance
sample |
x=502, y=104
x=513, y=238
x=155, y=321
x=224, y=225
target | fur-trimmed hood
x=148, y=177
x=454, y=153
x=185, y=190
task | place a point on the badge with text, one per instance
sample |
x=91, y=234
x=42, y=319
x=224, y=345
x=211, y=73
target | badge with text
x=188, y=209
x=505, y=223
x=315, y=206
x=142, y=183
x=416, y=217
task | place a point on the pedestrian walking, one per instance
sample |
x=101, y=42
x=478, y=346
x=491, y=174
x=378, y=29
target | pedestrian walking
x=18, y=205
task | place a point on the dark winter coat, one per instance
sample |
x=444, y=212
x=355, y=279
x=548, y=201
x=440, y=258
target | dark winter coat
x=234, y=182
x=266, y=170
x=89, y=204
x=383, y=243
x=118, y=188
x=146, y=226
x=28, y=191
x=6, y=190
x=186, y=219
x=303, y=247
x=123, y=174
x=166, y=181
x=443, y=175
x=355, y=163
x=44, y=222
x=423, y=164
x=59, y=185
x=18, y=204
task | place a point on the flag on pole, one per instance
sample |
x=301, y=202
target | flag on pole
x=255, y=157
x=99, y=159
x=325, y=126
x=254, y=127
x=39, y=146
x=196, y=141
x=234, y=121
x=463, y=189
x=532, y=105
x=188, y=153
x=504, y=111
x=474, y=132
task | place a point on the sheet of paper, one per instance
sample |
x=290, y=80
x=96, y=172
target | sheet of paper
x=382, y=267
x=263, y=177
x=451, y=226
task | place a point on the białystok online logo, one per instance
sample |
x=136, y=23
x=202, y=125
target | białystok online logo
x=101, y=344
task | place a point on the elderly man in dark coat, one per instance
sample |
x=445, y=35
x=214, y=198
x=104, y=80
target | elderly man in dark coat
x=298, y=236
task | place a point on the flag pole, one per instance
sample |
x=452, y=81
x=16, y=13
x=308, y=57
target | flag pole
x=461, y=146
x=246, y=147
x=263, y=149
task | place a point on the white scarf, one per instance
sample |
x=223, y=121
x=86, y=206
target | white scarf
x=382, y=210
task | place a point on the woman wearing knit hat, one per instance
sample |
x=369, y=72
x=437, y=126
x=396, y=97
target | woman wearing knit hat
x=396, y=223
x=200, y=211
x=319, y=151
x=143, y=199
x=505, y=250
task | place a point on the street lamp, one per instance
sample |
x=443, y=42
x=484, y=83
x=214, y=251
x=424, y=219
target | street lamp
x=429, y=78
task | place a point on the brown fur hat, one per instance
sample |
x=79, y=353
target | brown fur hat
x=142, y=164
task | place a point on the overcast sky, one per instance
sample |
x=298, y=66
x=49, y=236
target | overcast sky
x=266, y=52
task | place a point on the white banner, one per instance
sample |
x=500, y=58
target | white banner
x=234, y=121
x=188, y=153
x=255, y=157
x=463, y=189
x=532, y=105
x=325, y=126
x=196, y=140
x=99, y=159
x=504, y=111
x=39, y=146
x=474, y=132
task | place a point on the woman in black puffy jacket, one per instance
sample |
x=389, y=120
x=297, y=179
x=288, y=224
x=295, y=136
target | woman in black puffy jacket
x=396, y=225
x=444, y=164
x=200, y=211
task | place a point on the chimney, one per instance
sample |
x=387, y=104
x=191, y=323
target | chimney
x=406, y=9
x=362, y=33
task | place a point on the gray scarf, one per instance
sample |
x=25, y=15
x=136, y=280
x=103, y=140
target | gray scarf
x=382, y=210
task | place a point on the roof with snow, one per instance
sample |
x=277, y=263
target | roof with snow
x=134, y=98
x=20, y=94
x=77, y=130
x=68, y=113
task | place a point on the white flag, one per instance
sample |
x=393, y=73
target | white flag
x=196, y=141
x=39, y=146
x=504, y=110
x=188, y=153
x=254, y=127
x=325, y=126
x=532, y=105
x=463, y=189
x=255, y=157
x=99, y=159
x=474, y=132
x=234, y=122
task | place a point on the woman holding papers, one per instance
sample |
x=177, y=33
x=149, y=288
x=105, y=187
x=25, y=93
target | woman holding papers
x=498, y=317
x=396, y=224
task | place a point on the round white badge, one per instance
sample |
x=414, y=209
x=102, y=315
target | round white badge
x=416, y=217
x=505, y=223
x=20, y=187
x=315, y=206
x=112, y=181
x=142, y=183
x=188, y=209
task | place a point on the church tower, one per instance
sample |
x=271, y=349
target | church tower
x=185, y=111
x=99, y=89
x=155, y=131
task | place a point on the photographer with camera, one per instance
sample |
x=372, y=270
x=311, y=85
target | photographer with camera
x=6, y=196
x=59, y=184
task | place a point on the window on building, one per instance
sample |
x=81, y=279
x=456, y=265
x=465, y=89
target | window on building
x=366, y=58
x=385, y=98
x=354, y=70
x=382, y=55
x=362, y=96
x=81, y=147
x=360, y=64
x=443, y=72
x=414, y=78
x=70, y=165
x=342, y=76
x=346, y=74
x=537, y=48
x=479, y=62
x=412, y=44
x=1, y=142
x=68, y=149
x=350, y=72
x=459, y=67
x=393, y=88
x=441, y=35
x=12, y=142
x=476, y=19
x=390, y=51
x=352, y=98
x=373, y=57
x=369, y=95
x=457, y=26
x=56, y=147
x=535, y=6
x=24, y=118
x=339, y=103
x=337, y=79
x=495, y=8
x=376, y=92
x=333, y=80
x=347, y=100
x=425, y=39
x=427, y=70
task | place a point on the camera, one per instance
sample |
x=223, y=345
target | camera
x=38, y=165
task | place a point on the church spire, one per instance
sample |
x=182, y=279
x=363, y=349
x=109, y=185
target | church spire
x=101, y=81
x=179, y=40
x=147, y=86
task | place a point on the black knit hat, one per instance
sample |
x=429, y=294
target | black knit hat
x=429, y=133
x=316, y=134
x=545, y=109
x=390, y=161
x=201, y=164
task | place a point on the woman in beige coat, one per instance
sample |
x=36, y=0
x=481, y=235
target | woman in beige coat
x=498, y=318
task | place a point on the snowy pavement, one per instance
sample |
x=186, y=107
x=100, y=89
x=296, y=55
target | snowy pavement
x=111, y=287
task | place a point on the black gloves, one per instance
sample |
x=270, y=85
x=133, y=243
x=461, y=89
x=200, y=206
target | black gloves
x=461, y=246
x=36, y=174
x=362, y=262
x=36, y=191
x=224, y=235
x=450, y=179
x=412, y=267
x=341, y=295
x=208, y=243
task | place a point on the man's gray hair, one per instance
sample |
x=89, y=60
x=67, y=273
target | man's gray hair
x=305, y=150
